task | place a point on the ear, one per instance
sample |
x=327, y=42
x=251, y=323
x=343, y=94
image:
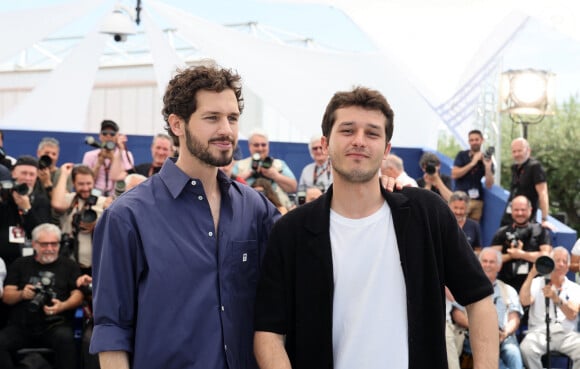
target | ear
x=324, y=143
x=387, y=151
x=176, y=124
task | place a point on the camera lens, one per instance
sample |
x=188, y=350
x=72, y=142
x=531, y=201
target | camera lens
x=44, y=162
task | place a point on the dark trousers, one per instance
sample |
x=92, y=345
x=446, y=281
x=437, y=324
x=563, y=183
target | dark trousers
x=59, y=338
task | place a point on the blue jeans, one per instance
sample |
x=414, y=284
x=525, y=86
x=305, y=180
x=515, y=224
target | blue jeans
x=510, y=356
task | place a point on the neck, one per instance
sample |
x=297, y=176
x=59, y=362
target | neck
x=356, y=200
x=557, y=279
x=194, y=168
x=320, y=162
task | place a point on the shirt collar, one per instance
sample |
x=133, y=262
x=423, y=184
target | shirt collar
x=176, y=180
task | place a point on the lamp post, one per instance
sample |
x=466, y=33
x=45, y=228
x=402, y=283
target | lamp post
x=527, y=95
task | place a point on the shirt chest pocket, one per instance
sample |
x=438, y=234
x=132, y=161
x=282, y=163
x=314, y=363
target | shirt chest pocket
x=245, y=262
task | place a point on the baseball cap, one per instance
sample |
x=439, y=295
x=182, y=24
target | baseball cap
x=26, y=160
x=109, y=124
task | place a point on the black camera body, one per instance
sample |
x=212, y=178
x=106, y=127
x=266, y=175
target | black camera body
x=44, y=284
x=489, y=153
x=107, y=145
x=518, y=234
x=44, y=162
x=257, y=162
x=86, y=215
x=9, y=186
x=430, y=167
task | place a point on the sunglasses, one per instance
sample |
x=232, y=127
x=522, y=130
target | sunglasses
x=259, y=144
x=108, y=133
x=316, y=148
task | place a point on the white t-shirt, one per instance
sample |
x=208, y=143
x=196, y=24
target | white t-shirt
x=369, y=322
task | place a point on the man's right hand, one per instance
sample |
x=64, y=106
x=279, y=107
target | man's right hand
x=28, y=292
x=105, y=154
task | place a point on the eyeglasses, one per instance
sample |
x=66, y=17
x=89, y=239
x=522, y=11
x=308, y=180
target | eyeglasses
x=46, y=244
x=316, y=148
x=259, y=144
x=108, y=133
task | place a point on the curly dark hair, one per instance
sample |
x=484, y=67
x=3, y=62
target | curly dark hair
x=180, y=95
x=363, y=97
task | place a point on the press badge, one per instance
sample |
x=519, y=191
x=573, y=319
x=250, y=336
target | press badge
x=524, y=268
x=473, y=193
x=16, y=234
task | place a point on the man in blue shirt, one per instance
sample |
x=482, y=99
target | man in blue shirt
x=176, y=260
x=468, y=169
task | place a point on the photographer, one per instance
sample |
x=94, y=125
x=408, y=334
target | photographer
x=468, y=169
x=21, y=209
x=42, y=308
x=433, y=180
x=561, y=297
x=520, y=243
x=78, y=212
x=112, y=160
x=259, y=164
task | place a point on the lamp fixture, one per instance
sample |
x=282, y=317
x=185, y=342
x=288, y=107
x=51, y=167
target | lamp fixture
x=527, y=95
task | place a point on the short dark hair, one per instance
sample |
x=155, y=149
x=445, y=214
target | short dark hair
x=475, y=132
x=363, y=97
x=81, y=169
x=180, y=95
x=429, y=157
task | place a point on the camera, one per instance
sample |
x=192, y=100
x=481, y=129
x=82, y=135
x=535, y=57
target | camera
x=430, y=167
x=489, y=153
x=44, y=162
x=68, y=245
x=301, y=197
x=120, y=187
x=87, y=215
x=43, y=286
x=512, y=238
x=544, y=265
x=9, y=186
x=257, y=162
x=107, y=145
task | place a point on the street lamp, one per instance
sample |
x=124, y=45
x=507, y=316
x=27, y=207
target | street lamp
x=528, y=95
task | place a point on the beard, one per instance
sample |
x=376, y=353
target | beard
x=47, y=258
x=357, y=175
x=201, y=151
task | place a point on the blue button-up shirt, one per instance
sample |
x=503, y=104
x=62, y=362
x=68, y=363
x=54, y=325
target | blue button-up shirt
x=168, y=288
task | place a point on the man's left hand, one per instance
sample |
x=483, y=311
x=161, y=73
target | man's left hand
x=56, y=308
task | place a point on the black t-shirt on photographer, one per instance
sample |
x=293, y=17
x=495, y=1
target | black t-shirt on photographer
x=533, y=235
x=19, y=274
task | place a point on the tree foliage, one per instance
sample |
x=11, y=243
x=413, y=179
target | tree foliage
x=555, y=143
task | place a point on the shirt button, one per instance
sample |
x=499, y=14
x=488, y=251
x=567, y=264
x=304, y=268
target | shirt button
x=210, y=234
x=193, y=183
x=226, y=347
x=200, y=197
x=223, y=308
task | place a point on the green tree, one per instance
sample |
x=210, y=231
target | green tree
x=555, y=144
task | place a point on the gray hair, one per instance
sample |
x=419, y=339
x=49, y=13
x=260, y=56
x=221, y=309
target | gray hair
x=163, y=136
x=394, y=161
x=45, y=228
x=561, y=248
x=459, y=196
x=497, y=254
x=258, y=132
x=48, y=141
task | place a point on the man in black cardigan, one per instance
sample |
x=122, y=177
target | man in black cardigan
x=356, y=278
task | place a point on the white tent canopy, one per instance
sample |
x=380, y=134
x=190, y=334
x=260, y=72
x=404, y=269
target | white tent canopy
x=418, y=42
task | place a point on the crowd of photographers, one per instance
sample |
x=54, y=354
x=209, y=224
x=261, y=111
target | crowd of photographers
x=48, y=212
x=47, y=216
